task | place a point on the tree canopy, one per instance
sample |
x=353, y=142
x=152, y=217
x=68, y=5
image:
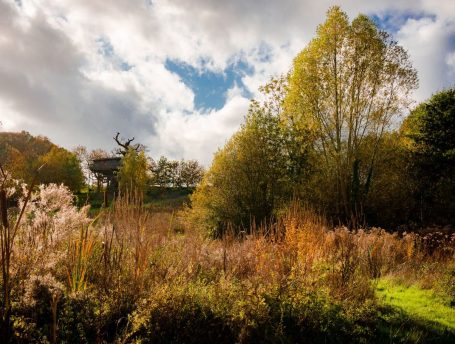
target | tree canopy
x=175, y=173
x=347, y=84
x=133, y=176
x=61, y=166
x=431, y=129
x=248, y=178
x=321, y=133
x=430, y=134
x=22, y=154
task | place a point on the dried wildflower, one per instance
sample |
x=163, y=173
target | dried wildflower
x=52, y=215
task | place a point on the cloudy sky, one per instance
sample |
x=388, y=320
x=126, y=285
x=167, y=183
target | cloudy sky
x=178, y=74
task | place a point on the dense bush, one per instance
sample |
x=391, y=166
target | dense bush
x=207, y=313
x=248, y=179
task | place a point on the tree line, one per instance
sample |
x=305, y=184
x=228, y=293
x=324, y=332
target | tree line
x=138, y=172
x=22, y=154
x=328, y=133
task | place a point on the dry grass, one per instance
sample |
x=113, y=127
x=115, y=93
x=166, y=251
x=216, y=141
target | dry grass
x=131, y=256
x=150, y=249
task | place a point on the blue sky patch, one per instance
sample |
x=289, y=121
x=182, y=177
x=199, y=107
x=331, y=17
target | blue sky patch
x=210, y=88
x=393, y=21
x=106, y=49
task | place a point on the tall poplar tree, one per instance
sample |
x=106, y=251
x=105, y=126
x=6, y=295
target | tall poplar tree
x=347, y=84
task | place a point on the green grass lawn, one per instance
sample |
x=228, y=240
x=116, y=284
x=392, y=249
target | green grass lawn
x=426, y=306
x=158, y=199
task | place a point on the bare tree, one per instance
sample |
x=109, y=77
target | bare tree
x=126, y=145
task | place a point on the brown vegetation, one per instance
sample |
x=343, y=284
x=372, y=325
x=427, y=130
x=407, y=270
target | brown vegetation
x=151, y=271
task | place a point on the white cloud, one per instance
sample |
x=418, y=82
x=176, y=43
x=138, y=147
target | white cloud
x=79, y=71
x=198, y=135
x=450, y=60
x=430, y=42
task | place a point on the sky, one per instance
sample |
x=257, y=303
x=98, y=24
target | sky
x=178, y=75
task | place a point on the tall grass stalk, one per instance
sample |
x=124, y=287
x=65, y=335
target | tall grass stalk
x=79, y=254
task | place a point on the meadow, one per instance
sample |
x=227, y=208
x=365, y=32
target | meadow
x=139, y=273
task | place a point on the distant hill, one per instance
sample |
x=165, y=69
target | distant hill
x=22, y=153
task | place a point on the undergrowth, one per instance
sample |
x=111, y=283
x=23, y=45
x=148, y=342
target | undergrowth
x=135, y=275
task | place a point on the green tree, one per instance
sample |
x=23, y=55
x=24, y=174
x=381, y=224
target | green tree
x=191, y=173
x=61, y=166
x=347, y=84
x=162, y=172
x=390, y=202
x=175, y=176
x=298, y=152
x=248, y=177
x=430, y=130
x=133, y=174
